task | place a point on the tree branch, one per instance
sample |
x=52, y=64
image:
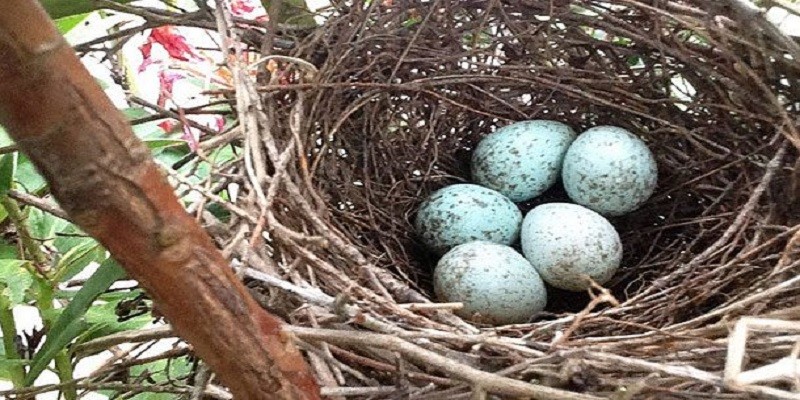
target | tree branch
x=105, y=179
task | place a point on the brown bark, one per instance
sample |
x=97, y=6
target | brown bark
x=106, y=180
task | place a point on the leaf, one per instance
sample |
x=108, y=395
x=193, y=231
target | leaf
x=149, y=130
x=163, y=143
x=222, y=213
x=66, y=24
x=635, y=61
x=170, y=155
x=8, y=250
x=3, y=215
x=159, y=371
x=135, y=113
x=71, y=322
x=117, y=296
x=103, y=321
x=622, y=41
x=63, y=8
x=14, y=280
x=28, y=177
x=8, y=168
x=8, y=365
x=77, y=258
x=412, y=21
x=71, y=236
x=5, y=140
x=43, y=226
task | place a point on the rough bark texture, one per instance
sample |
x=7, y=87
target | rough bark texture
x=105, y=178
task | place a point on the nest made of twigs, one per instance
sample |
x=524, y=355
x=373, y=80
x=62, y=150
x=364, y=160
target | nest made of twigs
x=382, y=104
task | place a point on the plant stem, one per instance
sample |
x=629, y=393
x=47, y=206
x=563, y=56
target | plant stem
x=18, y=218
x=44, y=296
x=9, y=329
x=62, y=360
x=65, y=371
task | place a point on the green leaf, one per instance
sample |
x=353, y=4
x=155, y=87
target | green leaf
x=132, y=113
x=71, y=322
x=66, y=24
x=169, y=155
x=222, y=213
x=149, y=129
x=44, y=226
x=621, y=41
x=77, y=258
x=119, y=295
x=28, y=177
x=3, y=216
x=8, y=365
x=71, y=236
x=5, y=140
x=14, y=280
x=161, y=371
x=153, y=144
x=63, y=8
x=8, y=168
x=103, y=321
x=216, y=157
x=412, y=22
x=635, y=61
x=8, y=250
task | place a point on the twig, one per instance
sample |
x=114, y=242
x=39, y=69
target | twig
x=490, y=382
x=102, y=343
x=605, y=296
x=432, y=306
x=202, y=378
x=38, y=202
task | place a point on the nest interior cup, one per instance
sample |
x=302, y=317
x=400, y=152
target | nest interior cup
x=406, y=140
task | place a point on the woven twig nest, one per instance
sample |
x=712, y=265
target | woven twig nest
x=400, y=93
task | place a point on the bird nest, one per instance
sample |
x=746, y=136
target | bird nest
x=365, y=115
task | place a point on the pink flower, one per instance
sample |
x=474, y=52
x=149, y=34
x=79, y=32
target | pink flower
x=173, y=42
x=248, y=9
x=166, y=80
x=241, y=7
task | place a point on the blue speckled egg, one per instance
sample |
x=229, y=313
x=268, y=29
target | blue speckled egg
x=609, y=170
x=566, y=241
x=522, y=160
x=464, y=212
x=495, y=283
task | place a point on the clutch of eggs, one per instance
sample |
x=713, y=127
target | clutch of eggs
x=606, y=171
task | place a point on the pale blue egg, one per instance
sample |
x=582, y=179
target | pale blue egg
x=465, y=212
x=609, y=170
x=523, y=159
x=566, y=241
x=495, y=283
